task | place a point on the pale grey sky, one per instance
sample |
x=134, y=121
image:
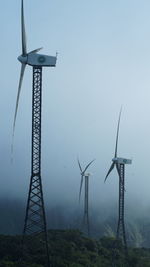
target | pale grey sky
x=103, y=63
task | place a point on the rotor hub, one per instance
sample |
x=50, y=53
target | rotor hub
x=23, y=59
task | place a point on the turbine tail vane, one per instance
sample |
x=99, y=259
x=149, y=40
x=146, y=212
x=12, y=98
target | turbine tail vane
x=116, y=147
x=35, y=51
x=23, y=31
x=111, y=168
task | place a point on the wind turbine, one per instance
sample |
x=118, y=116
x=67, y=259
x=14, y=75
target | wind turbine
x=120, y=163
x=35, y=219
x=85, y=176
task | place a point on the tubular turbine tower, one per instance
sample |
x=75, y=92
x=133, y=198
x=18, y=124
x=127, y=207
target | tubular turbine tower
x=85, y=176
x=35, y=219
x=120, y=163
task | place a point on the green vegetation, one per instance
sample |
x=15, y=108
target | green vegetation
x=70, y=248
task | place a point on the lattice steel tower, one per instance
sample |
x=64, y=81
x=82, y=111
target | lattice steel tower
x=121, y=224
x=119, y=163
x=35, y=219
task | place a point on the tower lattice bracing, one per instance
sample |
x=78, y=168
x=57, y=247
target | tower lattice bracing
x=121, y=224
x=35, y=219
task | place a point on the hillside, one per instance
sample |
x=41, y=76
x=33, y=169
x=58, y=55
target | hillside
x=69, y=248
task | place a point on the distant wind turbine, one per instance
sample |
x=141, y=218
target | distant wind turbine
x=85, y=178
x=120, y=163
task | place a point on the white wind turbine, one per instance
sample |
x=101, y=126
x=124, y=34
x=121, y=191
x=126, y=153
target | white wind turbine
x=85, y=177
x=35, y=218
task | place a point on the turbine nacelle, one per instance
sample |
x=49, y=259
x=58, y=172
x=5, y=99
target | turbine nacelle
x=34, y=59
x=87, y=174
x=41, y=60
x=122, y=160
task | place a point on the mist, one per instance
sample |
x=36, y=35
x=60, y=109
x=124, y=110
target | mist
x=103, y=64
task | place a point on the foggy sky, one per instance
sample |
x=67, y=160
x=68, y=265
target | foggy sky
x=103, y=63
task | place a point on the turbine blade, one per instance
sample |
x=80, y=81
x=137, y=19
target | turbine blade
x=111, y=168
x=36, y=50
x=23, y=31
x=118, y=170
x=116, y=147
x=79, y=165
x=88, y=165
x=81, y=183
x=18, y=95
